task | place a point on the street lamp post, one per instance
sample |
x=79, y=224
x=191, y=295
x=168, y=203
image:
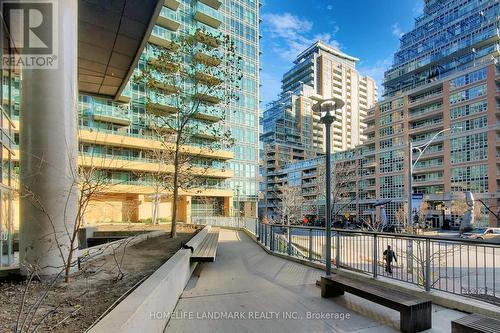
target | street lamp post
x=324, y=107
x=421, y=149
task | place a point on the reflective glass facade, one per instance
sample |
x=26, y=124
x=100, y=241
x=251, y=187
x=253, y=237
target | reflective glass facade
x=129, y=116
x=445, y=77
x=9, y=92
x=450, y=36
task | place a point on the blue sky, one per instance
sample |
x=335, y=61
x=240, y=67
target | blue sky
x=366, y=29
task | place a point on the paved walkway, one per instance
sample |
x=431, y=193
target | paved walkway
x=256, y=292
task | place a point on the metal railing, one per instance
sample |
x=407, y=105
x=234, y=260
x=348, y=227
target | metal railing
x=227, y=221
x=465, y=267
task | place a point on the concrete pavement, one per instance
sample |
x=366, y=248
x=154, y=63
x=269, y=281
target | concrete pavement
x=248, y=290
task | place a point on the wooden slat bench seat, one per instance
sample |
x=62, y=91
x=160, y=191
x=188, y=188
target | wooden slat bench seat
x=207, y=250
x=415, y=312
x=475, y=323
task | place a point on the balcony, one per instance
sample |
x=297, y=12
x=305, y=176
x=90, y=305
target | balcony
x=131, y=163
x=160, y=81
x=172, y=4
x=207, y=15
x=208, y=113
x=209, y=79
x=152, y=54
x=160, y=104
x=209, y=98
x=131, y=140
x=162, y=37
x=168, y=18
x=207, y=35
x=425, y=97
x=426, y=126
x=115, y=114
x=206, y=131
x=215, y=4
x=208, y=57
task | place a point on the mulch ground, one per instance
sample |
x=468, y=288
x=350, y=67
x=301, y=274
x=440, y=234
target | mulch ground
x=75, y=306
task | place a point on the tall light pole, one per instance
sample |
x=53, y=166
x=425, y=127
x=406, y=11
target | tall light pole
x=421, y=149
x=324, y=108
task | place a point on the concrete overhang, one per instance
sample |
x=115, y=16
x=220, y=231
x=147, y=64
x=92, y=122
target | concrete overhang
x=111, y=38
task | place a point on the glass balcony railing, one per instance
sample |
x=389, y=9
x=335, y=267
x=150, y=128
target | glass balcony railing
x=161, y=99
x=207, y=34
x=211, y=57
x=207, y=15
x=169, y=18
x=169, y=14
x=204, y=185
x=195, y=143
x=216, y=165
x=212, y=97
x=163, y=33
x=210, y=113
x=112, y=113
x=426, y=164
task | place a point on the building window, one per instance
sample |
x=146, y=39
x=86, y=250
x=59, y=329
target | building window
x=469, y=78
x=391, y=186
x=391, y=161
x=469, y=125
x=468, y=94
x=469, y=109
x=469, y=148
x=470, y=178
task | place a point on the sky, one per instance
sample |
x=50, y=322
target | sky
x=366, y=29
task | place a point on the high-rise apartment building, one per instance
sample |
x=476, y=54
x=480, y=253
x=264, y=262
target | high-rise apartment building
x=9, y=92
x=445, y=77
x=332, y=73
x=291, y=132
x=116, y=135
x=236, y=187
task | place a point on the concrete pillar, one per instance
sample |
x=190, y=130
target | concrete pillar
x=48, y=151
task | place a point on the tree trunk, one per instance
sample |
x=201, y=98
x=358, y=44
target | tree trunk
x=175, y=198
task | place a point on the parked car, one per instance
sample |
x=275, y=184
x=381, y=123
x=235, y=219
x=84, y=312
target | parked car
x=483, y=233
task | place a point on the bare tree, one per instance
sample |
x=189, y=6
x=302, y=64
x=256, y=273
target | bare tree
x=344, y=177
x=440, y=252
x=90, y=181
x=291, y=202
x=186, y=103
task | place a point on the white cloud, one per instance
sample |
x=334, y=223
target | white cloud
x=419, y=8
x=327, y=38
x=396, y=30
x=285, y=25
x=293, y=35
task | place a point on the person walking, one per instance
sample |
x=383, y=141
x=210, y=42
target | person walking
x=389, y=255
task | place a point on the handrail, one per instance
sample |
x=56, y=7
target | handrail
x=390, y=234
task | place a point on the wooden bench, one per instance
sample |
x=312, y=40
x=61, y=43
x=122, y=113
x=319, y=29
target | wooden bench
x=207, y=249
x=475, y=323
x=415, y=312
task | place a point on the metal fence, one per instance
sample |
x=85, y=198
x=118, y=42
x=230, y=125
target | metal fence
x=227, y=222
x=465, y=267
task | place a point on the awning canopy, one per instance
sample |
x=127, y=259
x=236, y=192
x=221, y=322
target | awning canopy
x=111, y=37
